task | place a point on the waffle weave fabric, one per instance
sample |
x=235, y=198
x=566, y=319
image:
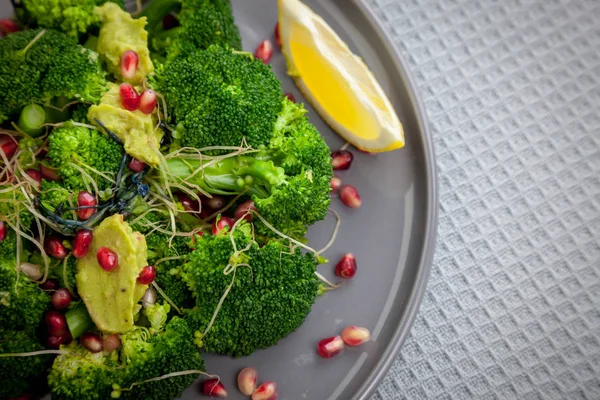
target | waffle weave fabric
x=512, y=92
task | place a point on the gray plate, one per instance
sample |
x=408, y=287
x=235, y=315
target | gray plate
x=392, y=235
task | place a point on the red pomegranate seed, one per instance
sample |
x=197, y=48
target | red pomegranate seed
x=266, y=391
x=213, y=388
x=61, y=299
x=336, y=184
x=246, y=381
x=129, y=64
x=86, y=199
x=54, y=248
x=35, y=175
x=82, y=243
x=8, y=145
x=222, y=224
x=54, y=342
x=3, y=231
x=350, y=197
x=7, y=26
x=66, y=338
x=56, y=323
x=264, y=51
x=341, y=159
x=355, y=335
x=49, y=285
x=290, y=97
x=111, y=342
x=330, y=347
x=48, y=173
x=108, y=259
x=169, y=22
x=346, y=267
x=148, y=101
x=136, y=165
x=188, y=204
x=147, y=275
x=130, y=99
x=214, y=203
x=91, y=341
x=244, y=210
x=277, y=34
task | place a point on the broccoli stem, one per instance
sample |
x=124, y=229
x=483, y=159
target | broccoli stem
x=79, y=320
x=32, y=119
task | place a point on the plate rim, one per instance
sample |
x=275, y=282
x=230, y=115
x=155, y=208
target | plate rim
x=370, y=384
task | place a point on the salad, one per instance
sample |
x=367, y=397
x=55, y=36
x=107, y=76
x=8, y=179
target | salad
x=156, y=187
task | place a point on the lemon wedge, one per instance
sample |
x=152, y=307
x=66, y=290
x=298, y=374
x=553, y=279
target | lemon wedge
x=337, y=83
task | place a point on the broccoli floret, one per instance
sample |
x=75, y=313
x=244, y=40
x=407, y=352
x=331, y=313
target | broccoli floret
x=19, y=374
x=73, y=17
x=36, y=66
x=142, y=356
x=75, y=148
x=22, y=302
x=219, y=98
x=273, y=291
x=201, y=23
x=13, y=202
x=53, y=194
x=289, y=181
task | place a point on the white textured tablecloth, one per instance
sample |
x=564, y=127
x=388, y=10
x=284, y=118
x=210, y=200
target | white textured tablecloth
x=512, y=91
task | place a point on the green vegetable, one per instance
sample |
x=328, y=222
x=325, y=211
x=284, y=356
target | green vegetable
x=273, y=290
x=142, y=356
x=78, y=320
x=220, y=98
x=36, y=66
x=74, y=17
x=32, y=117
x=201, y=23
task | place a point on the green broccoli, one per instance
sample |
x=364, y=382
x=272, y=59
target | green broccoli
x=19, y=374
x=289, y=181
x=72, y=149
x=73, y=17
x=22, y=302
x=39, y=65
x=219, y=98
x=202, y=23
x=142, y=356
x=273, y=290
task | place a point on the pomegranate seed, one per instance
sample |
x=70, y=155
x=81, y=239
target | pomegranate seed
x=350, y=197
x=341, y=159
x=169, y=22
x=136, y=165
x=147, y=275
x=111, y=342
x=215, y=203
x=48, y=173
x=61, y=299
x=49, y=285
x=56, y=323
x=246, y=381
x=244, y=211
x=8, y=145
x=54, y=342
x=108, y=259
x=130, y=99
x=221, y=224
x=54, y=248
x=355, y=335
x=35, y=175
x=336, y=183
x=148, y=101
x=213, y=388
x=188, y=204
x=91, y=341
x=7, y=26
x=277, y=34
x=264, y=51
x=330, y=347
x=3, y=231
x=346, y=267
x=86, y=199
x=82, y=243
x=290, y=97
x=266, y=391
x=66, y=338
x=129, y=64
